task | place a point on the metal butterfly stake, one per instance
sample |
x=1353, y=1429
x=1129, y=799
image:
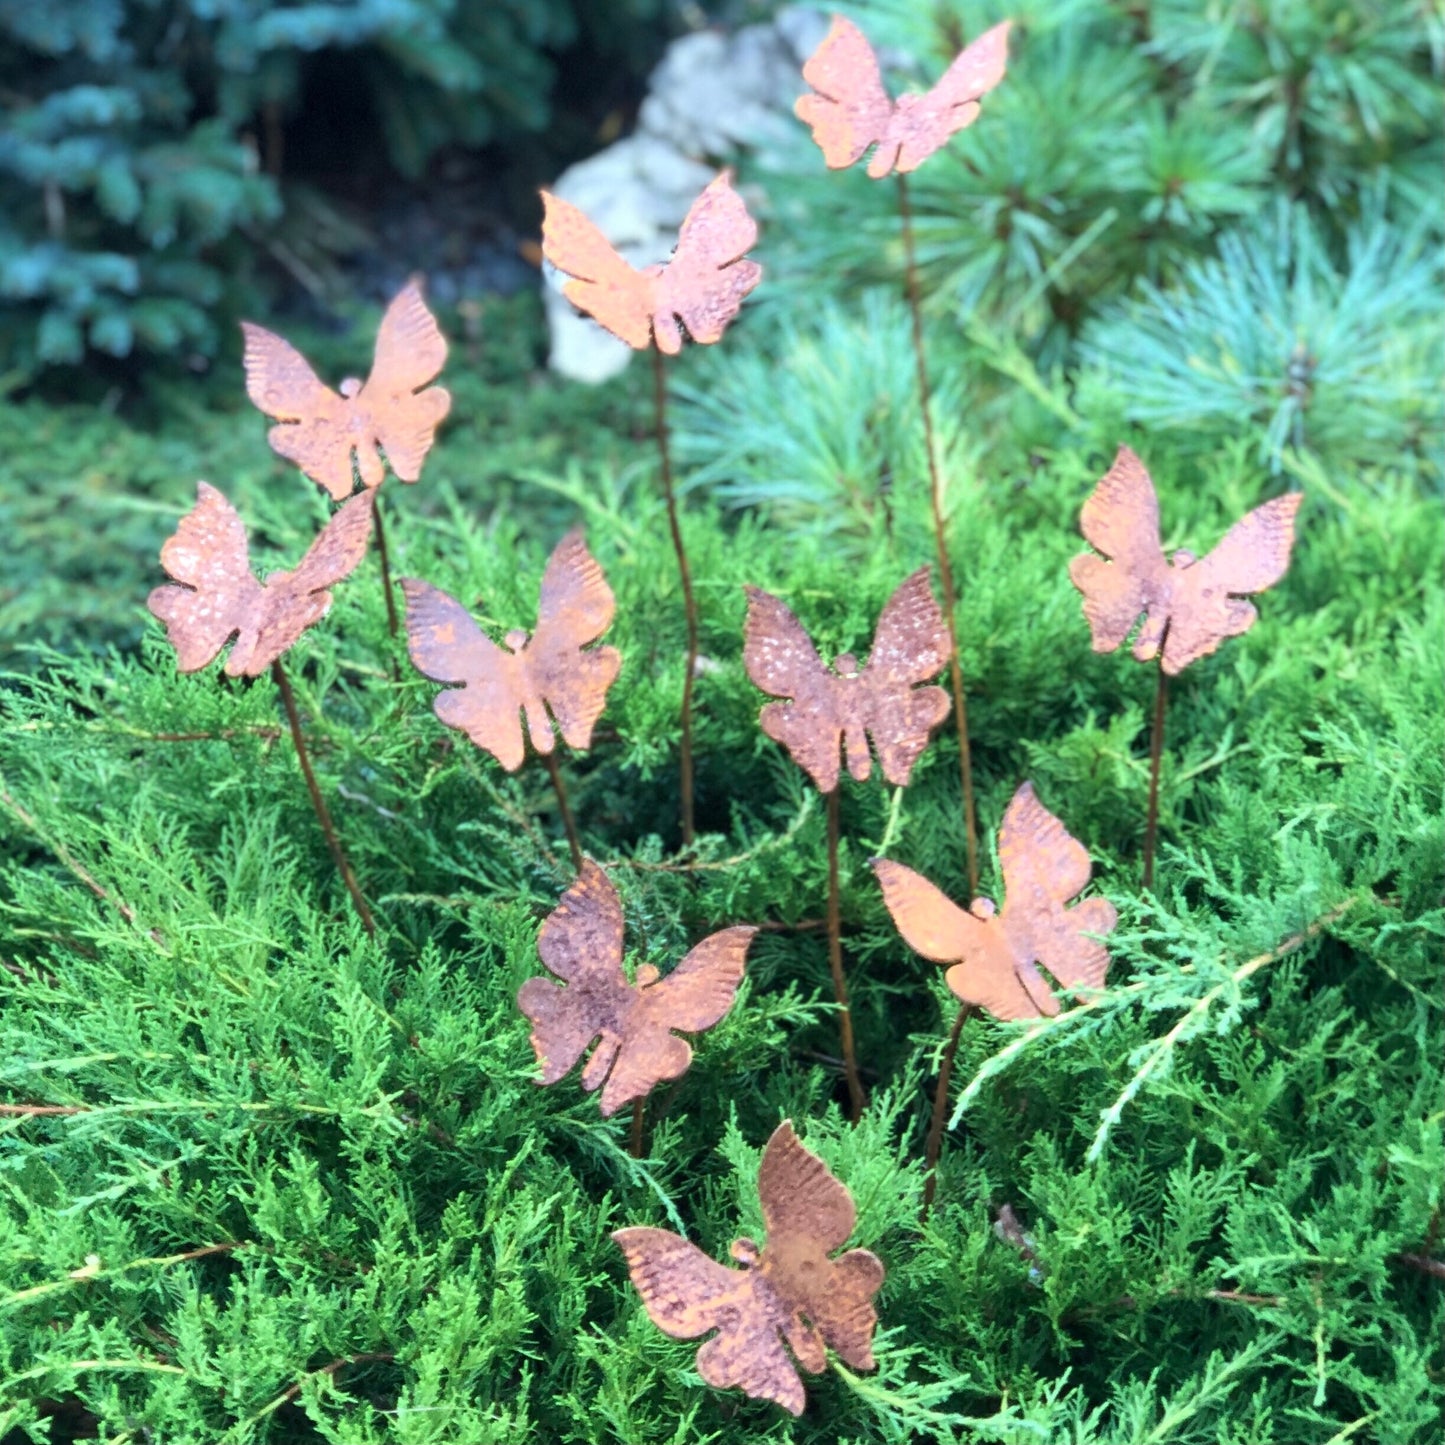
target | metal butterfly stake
x=1190, y=604
x=631, y=1023
x=554, y=669
x=789, y=1289
x=995, y=953
x=219, y=598
x=703, y=286
x=394, y=411
x=850, y=112
x=835, y=712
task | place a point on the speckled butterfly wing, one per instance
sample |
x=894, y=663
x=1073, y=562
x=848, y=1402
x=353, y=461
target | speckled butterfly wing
x=708, y=278
x=580, y=943
x=601, y=283
x=1043, y=868
x=403, y=411
x=447, y=646
x=1131, y=575
x=692, y=998
x=209, y=557
x=849, y=109
x=686, y=1294
x=910, y=646
x=1208, y=599
x=933, y=925
x=921, y=124
x=290, y=602
x=576, y=608
x=781, y=660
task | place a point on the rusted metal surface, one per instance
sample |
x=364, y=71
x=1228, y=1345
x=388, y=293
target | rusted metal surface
x=631, y=1023
x=849, y=110
x=995, y=954
x=789, y=1289
x=1189, y=604
x=553, y=669
x=395, y=409
x=703, y=285
x=220, y=598
x=848, y=705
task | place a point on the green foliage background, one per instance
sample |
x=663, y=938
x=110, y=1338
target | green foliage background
x=308, y=1189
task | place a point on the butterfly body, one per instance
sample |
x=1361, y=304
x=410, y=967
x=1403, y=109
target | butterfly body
x=220, y=597
x=848, y=708
x=553, y=674
x=702, y=287
x=791, y=1289
x=849, y=111
x=394, y=410
x=631, y=1024
x=995, y=954
x=1189, y=604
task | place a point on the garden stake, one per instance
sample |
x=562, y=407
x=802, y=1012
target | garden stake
x=392, y=624
x=826, y=712
x=703, y=285
x=945, y=570
x=634, y=1142
x=934, y=1146
x=689, y=602
x=555, y=668
x=581, y=944
x=323, y=815
x=1156, y=753
x=856, y=1098
x=1190, y=604
x=789, y=1287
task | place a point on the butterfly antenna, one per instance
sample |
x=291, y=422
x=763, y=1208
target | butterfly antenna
x=1156, y=754
x=945, y=571
x=689, y=602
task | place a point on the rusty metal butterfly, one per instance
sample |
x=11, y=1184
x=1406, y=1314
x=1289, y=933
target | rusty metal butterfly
x=703, y=285
x=553, y=669
x=995, y=956
x=631, y=1023
x=849, y=705
x=220, y=597
x=1190, y=604
x=789, y=1289
x=849, y=110
x=395, y=409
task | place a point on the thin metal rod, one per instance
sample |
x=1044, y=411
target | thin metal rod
x=1156, y=754
x=945, y=570
x=689, y=602
x=639, y=1114
x=835, y=967
x=568, y=822
x=323, y=816
x=391, y=618
x=934, y=1146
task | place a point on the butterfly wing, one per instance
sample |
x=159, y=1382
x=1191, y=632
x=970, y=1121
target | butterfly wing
x=447, y=646
x=1044, y=867
x=577, y=607
x=410, y=352
x=292, y=601
x=933, y=925
x=922, y=124
x=693, y=997
x=686, y=1294
x=1121, y=520
x=602, y=284
x=581, y=943
x=909, y=647
x=848, y=109
x=707, y=278
x=314, y=433
x=1208, y=594
x=780, y=658
x=208, y=556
